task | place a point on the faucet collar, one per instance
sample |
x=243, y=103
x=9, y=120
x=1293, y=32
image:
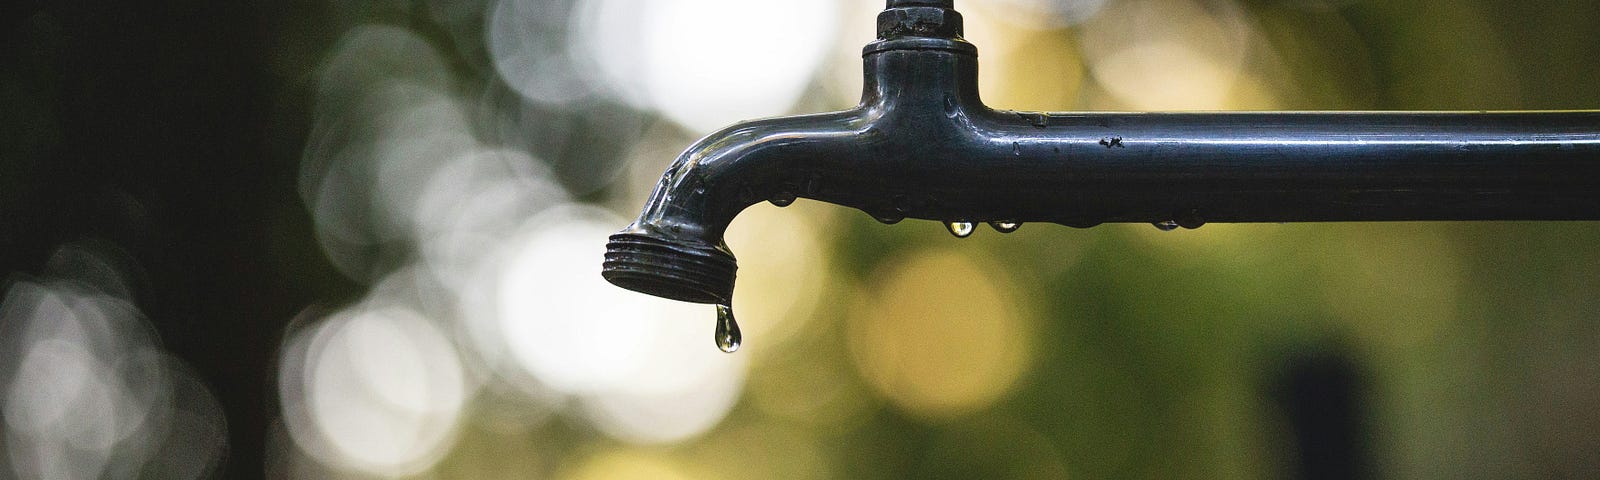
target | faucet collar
x=920, y=25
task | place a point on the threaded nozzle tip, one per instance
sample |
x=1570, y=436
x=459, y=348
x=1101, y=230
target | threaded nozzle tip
x=670, y=269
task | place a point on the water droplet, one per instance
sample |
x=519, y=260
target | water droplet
x=960, y=229
x=1191, y=221
x=1005, y=227
x=1166, y=225
x=888, y=219
x=782, y=199
x=1016, y=149
x=728, y=336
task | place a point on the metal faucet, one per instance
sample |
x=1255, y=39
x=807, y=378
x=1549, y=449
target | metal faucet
x=922, y=145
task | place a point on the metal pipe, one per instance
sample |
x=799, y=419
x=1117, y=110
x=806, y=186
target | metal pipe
x=922, y=145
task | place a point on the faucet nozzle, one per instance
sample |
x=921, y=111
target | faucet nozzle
x=659, y=266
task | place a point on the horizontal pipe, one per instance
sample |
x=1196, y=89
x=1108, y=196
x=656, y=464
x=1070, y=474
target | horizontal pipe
x=1088, y=168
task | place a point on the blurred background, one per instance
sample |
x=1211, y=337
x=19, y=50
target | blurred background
x=361, y=239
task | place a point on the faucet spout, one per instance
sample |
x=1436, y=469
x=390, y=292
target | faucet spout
x=920, y=74
x=921, y=144
x=675, y=249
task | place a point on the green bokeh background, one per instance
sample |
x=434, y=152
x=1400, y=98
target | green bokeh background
x=1447, y=350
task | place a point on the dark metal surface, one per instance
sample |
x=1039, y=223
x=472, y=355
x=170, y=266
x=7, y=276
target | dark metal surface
x=922, y=145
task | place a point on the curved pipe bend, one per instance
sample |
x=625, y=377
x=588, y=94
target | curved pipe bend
x=727, y=171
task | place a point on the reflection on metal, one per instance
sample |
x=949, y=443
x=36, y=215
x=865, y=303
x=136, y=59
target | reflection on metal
x=922, y=145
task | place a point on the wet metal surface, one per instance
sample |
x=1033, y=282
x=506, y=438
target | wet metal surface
x=922, y=145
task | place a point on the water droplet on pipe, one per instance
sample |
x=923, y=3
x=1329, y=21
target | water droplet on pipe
x=960, y=229
x=782, y=199
x=1005, y=227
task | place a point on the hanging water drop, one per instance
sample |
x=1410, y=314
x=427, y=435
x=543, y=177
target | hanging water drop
x=1005, y=227
x=728, y=336
x=782, y=199
x=960, y=229
x=888, y=219
x=1191, y=221
x=1166, y=225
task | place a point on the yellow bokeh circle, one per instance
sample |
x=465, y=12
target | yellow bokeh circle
x=939, y=336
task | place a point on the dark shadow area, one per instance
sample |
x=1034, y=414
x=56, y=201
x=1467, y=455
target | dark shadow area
x=152, y=127
x=1321, y=393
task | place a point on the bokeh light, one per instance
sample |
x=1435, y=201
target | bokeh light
x=940, y=337
x=1168, y=54
x=528, y=40
x=89, y=393
x=384, y=122
x=469, y=206
x=671, y=55
x=782, y=270
x=1028, y=68
x=382, y=392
